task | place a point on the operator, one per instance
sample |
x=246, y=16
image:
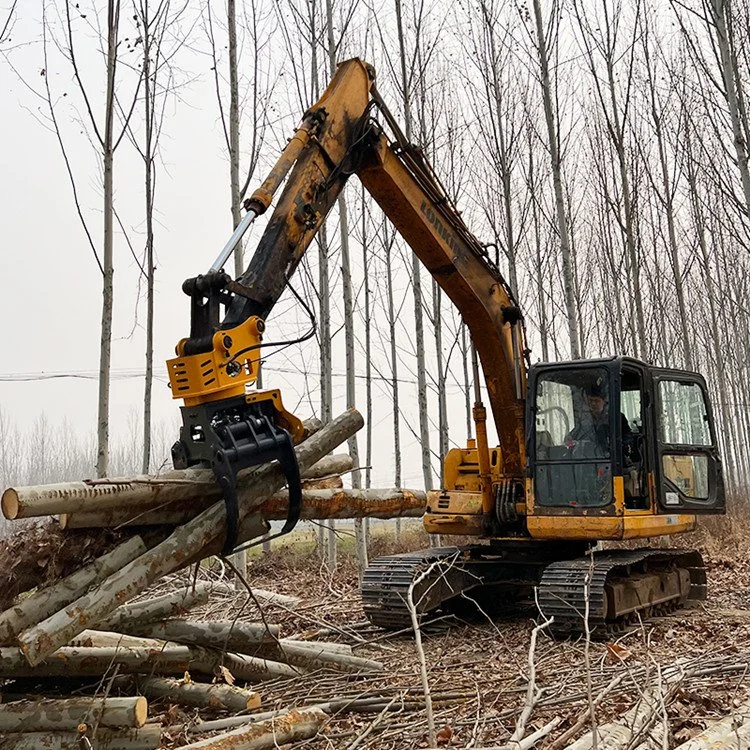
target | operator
x=598, y=430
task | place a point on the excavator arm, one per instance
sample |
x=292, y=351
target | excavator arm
x=350, y=140
x=229, y=427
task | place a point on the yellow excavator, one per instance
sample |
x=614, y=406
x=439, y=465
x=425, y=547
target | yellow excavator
x=589, y=450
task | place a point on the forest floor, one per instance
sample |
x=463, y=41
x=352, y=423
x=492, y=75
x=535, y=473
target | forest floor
x=478, y=669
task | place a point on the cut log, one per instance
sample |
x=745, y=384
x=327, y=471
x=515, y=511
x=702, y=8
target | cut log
x=349, y=503
x=183, y=486
x=95, y=661
x=317, y=504
x=70, y=713
x=337, y=463
x=336, y=648
x=145, y=738
x=225, y=635
x=318, y=658
x=730, y=733
x=191, y=542
x=174, y=604
x=274, y=597
x=241, y=667
x=168, y=660
x=199, y=694
x=265, y=735
x=44, y=602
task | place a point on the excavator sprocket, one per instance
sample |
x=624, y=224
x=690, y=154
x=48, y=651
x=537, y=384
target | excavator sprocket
x=621, y=586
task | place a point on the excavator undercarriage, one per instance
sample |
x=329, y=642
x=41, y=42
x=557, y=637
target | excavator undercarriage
x=621, y=586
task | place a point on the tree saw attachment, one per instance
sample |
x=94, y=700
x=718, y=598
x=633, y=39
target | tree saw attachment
x=226, y=425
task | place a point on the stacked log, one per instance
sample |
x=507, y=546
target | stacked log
x=85, y=625
x=148, y=654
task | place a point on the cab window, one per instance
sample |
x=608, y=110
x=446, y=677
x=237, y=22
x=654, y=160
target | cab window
x=684, y=422
x=573, y=446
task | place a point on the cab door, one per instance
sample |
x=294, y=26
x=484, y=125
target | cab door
x=688, y=468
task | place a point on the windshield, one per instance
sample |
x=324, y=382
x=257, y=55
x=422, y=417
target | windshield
x=573, y=431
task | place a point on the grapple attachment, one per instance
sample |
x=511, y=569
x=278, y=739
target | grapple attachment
x=233, y=434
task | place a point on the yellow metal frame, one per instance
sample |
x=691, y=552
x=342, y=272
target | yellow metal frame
x=614, y=521
x=293, y=425
x=199, y=378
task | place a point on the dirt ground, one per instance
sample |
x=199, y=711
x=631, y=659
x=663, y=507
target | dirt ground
x=478, y=669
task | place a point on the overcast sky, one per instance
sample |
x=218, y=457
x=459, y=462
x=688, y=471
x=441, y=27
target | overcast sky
x=52, y=290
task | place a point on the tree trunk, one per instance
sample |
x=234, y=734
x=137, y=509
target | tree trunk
x=69, y=713
x=105, y=349
x=234, y=131
x=94, y=661
x=317, y=504
x=317, y=657
x=45, y=602
x=416, y=270
x=719, y=12
x=100, y=738
x=149, y=94
x=556, y=165
x=173, y=604
x=198, y=694
x=388, y=247
x=225, y=635
x=266, y=735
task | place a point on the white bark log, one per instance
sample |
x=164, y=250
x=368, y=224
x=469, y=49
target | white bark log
x=110, y=639
x=44, y=602
x=337, y=463
x=730, y=733
x=245, y=668
x=188, y=543
x=95, y=661
x=318, y=657
x=200, y=695
x=316, y=504
x=145, y=738
x=226, y=635
x=69, y=713
x=182, y=486
x=265, y=735
x=163, y=607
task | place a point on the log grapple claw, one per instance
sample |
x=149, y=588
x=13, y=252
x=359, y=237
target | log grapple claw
x=235, y=434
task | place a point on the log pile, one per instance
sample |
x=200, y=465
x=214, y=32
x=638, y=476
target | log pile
x=84, y=629
x=151, y=651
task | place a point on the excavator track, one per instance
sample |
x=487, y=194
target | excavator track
x=440, y=575
x=622, y=586
x=386, y=582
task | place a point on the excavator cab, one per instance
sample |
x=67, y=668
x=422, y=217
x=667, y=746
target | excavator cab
x=629, y=446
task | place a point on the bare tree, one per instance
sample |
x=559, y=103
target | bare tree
x=153, y=24
x=545, y=37
x=252, y=30
x=106, y=134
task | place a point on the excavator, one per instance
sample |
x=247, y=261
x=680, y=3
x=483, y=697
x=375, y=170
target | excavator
x=589, y=451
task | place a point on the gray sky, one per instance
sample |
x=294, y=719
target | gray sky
x=52, y=294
